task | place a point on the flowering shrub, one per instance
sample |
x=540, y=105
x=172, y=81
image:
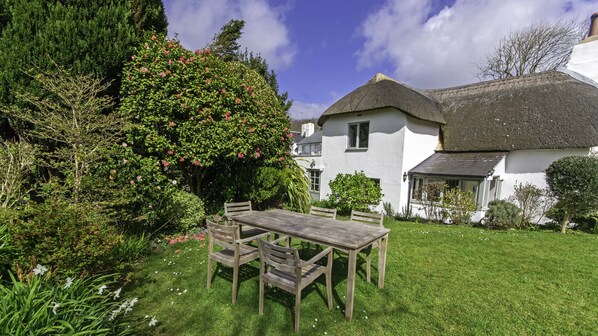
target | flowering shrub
x=197, y=114
x=40, y=306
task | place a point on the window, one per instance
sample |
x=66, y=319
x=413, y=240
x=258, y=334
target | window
x=420, y=188
x=359, y=134
x=314, y=178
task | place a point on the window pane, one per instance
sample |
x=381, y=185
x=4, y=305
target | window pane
x=364, y=131
x=353, y=136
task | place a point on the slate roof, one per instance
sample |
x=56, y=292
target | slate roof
x=469, y=164
x=548, y=110
x=316, y=137
x=382, y=91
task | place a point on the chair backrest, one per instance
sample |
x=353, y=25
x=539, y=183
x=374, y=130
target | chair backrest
x=367, y=218
x=323, y=212
x=284, y=259
x=221, y=235
x=231, y=209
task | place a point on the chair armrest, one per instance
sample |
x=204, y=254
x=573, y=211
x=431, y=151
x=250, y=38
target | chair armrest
x=316, y=258
x=280, y=239
x=252, y=238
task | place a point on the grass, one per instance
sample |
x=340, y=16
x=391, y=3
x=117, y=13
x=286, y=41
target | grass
x=439, y=280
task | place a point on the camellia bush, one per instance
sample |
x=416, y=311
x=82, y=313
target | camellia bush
x=196, y=115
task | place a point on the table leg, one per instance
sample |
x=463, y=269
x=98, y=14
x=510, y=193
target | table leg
x=350, y=284
x=382, y=260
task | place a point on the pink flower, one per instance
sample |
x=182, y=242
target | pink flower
x=281, y=138
x=139, y=178
x=165, y=163
x=182, y=59
x=169, y=62
x=162, y=74
x=172, y=241
x=241, y=155
x=250, y=88
x=257, y=155
x=197, y=51
x=227, y=117
x=192, y=118
x=166, y=52
x=132, y=182
x=182, y=159
x=177, y=251
x=144, y=69
x=238, y=101
x=170, y=152
x=289, y=135
x=171, y=123
x=222, y=90
x=281, y=159
x=208, y=81
x=196, y=162
x=206, y=69
x=154, y=37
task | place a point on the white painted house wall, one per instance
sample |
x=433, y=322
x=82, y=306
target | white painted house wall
x=528, y=166
x=584, y=59
x=396, y=143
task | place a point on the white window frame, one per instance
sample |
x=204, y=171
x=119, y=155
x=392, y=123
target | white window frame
x=357, y=139
x=314, y=182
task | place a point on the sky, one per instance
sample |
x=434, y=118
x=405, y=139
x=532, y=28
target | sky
x=323, y=49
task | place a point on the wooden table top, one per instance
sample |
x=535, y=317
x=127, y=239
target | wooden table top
x=326, y=231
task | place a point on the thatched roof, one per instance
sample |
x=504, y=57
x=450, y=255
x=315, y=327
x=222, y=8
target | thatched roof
x=381, y=92
x=471, y=164
x=548, y=110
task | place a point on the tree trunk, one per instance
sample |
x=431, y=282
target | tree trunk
x=565, y=222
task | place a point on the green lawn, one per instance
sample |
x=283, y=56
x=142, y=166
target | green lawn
x=439, y=280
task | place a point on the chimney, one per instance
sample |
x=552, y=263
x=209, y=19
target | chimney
x=593, y=25
x=307, y=129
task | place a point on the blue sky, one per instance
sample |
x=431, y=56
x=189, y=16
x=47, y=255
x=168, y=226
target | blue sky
x=323, y=49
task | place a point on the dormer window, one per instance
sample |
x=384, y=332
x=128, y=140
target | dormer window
x=359, y=135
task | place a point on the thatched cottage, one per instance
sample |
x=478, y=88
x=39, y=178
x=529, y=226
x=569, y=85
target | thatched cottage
x=484, y=138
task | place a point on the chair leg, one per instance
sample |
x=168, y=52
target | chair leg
x=235, y=282
x=261, y=296
x=297, y=309
x=209, y=272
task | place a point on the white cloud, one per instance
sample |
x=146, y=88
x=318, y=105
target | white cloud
x=196, y=22
x=442, y=50
x=302, y=110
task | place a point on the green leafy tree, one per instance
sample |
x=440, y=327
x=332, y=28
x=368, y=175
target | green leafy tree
x=70, y=116
x=574, y=182
x=354, y=192
x=225, y=44
x=198, y=115
x=95, y=36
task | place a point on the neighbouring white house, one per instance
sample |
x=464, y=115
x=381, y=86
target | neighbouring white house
x=485, y=137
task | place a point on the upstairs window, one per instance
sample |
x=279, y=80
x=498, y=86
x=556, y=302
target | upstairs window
x=359, y=135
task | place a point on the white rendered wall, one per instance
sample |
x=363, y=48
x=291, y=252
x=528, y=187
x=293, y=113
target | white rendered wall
x=528, y=166
x=584, y=59
x=396, y=143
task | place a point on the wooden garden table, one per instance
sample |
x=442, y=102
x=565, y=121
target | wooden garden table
x=345, y=235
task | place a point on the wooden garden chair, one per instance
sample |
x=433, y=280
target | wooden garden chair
x=233, y=252
x=281, y=267
x=238, y=208
x=370, y=219
x=323, y=212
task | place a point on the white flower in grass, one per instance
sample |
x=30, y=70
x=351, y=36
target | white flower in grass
x=101, y=289
x=117, y=293
x=69, y=283
x=55, y=306
x=153, y=321
x=40, y=269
